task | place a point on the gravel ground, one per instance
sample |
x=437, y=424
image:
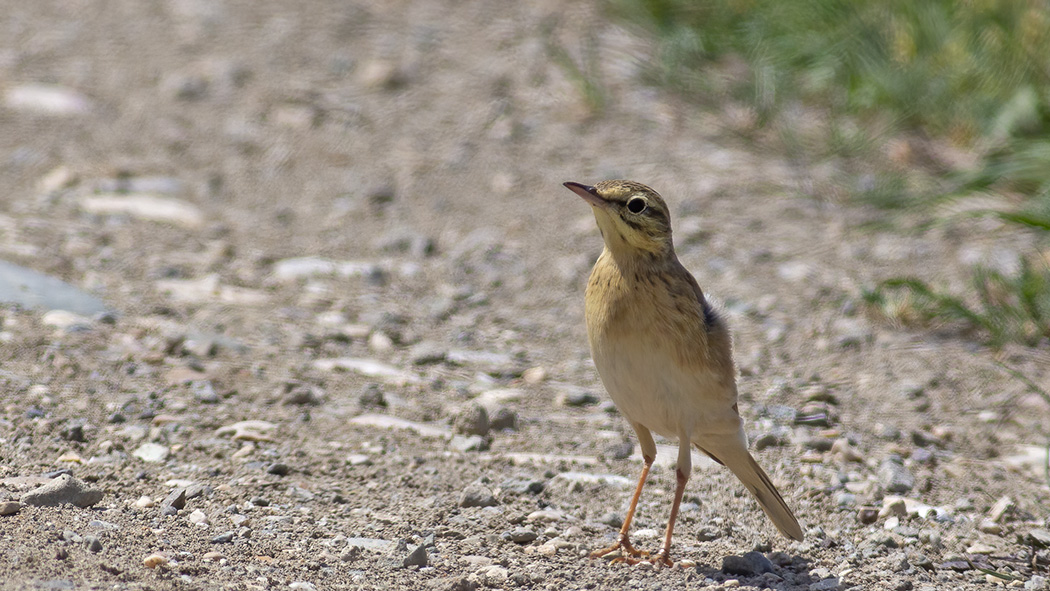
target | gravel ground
x=342, y=342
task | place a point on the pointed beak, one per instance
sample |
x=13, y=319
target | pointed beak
x=589, y=194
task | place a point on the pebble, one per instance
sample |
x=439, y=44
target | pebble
x=32, y=289
x=867, y=515
x=486, y=361
x=248, y=431
x=492, y=575
x=223, y=538
x=521, y=535
x=298, y=393
x=278, y=469
x=389, y=422
x=472, y=419
x=10, y=507
x=66, y=321
x=208, y=289
x=521, y=486
x=534, y=375
x=61, y=490
x=1001, y=509
x=155, y=560
x=464, y=444
x=894, y=477
x=197, y=517
x=750, y=564
x=477, y=496
x=175, y=501
x=293, y=269
x=831, y=584
x=1036, y=583
x=577, y=481
x=417, y=557
x=152, y=452
x=367, y=367
x=503, y=419
x=47, y=99
x=893, y=506
x=1035, y=537
x=93, y=544
x=145, y=206
x=213, y=556
x=427, y=353
x=302, y=586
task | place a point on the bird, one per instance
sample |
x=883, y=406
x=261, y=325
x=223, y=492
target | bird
x=664, y=354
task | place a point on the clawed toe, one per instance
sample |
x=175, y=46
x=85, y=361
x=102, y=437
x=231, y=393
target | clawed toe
x=628, y=553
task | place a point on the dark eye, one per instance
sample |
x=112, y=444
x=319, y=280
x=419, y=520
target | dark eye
x=636, y=205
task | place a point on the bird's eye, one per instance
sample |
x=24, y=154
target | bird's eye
x=636, y=205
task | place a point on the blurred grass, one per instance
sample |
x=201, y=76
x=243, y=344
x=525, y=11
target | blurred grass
x=971, y=76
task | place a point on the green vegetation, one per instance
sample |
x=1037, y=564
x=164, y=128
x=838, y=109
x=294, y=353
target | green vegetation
x=971, y=75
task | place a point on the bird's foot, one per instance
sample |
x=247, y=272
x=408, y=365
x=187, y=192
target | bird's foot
x=628, y=553
x=662, y=558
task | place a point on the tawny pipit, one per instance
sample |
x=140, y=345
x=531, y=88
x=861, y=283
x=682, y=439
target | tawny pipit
x=663, y=353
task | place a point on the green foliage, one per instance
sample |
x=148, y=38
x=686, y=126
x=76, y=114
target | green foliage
x=974, y=73
x=1005, y=308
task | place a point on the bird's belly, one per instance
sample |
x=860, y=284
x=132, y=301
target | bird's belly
x=650, y=389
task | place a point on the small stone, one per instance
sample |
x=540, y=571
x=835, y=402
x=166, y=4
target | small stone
x=302, y=586
x=1039, y=537
x=204, y=392
x=894, y=477
x=9, y=507
x=175, y=501
x=46, y=99
x=521, y=486
x=248, y=431
x=750, y=564
x=867, y=515
x=197, y=517
x=93, y=544
x=521, y=535
x=152, y=452
x=534, y=375
x=477, y=496
x=427, y=353
x=893, y=506
x=990, y=527
x=417, y=557
x=1037, y=583
x=278, y=469
x=145, y=206
x=298, y=393
x=213, y=556
x=61, y=490
x=503, y=418
x=155, y=560
x=467, y=444
x=1001, y=509
x=61, y=554
x=576, y=397
x=831, y=584
x=471, y=420
x=223, y=538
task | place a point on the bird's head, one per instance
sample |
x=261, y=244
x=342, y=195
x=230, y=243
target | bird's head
x=632, y=217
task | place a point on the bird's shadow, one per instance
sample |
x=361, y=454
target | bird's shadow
x=797, y=567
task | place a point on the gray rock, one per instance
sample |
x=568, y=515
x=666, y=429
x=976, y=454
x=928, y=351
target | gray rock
x=223, y=538
x=521, y=535
x=278, y=469
x=204, y=392
x=31, y=289
x=894, y=477
x=751, y=564
x=831, y=584
x=302, y=393
x=471, y=420
x=417, y=557
x=477, y=496
x=503, y=418
x=10, y=507
x=1039, y=537
x=175, y=501
x=1036, y=583
x=93, y=544
x=62, y=490
x=521, y=486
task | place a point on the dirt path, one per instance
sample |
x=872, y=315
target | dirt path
x=415, y=150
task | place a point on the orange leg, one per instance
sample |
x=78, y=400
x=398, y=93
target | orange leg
x=623, y=543
x=664, y=556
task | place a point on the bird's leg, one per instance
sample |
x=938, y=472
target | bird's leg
x=664, y=556
x=623, y=542
x=685, y=467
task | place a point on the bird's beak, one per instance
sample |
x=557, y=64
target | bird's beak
x=589, y=194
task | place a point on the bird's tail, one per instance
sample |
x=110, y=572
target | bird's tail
x=736, y=457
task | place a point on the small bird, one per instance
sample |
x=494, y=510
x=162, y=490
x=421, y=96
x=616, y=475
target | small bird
x=664, y=354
